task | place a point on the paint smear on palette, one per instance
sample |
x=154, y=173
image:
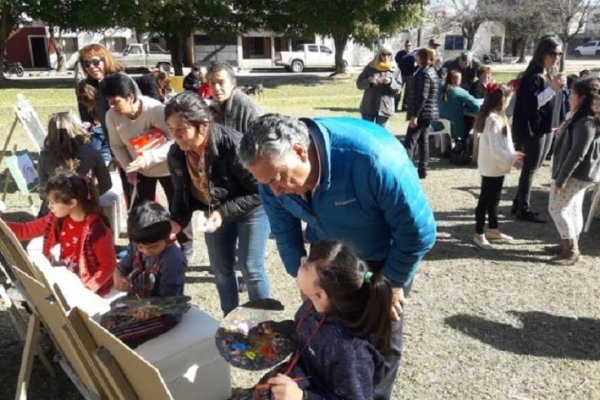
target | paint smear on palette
x=255, y=338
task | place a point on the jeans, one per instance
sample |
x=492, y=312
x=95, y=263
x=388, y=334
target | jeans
x=378, y=119
x=535, y=148
x=419, y=136
x=252, y=232
x=489, y=198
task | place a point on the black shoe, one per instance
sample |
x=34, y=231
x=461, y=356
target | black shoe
x=530, y=216
x=422, y=173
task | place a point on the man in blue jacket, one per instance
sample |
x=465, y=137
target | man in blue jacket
x=349, y=180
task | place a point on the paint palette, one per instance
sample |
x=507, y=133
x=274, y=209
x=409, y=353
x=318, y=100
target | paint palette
x=254, y=336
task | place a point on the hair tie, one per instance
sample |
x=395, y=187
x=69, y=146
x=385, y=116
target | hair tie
x=367, y=277
x=492, y=87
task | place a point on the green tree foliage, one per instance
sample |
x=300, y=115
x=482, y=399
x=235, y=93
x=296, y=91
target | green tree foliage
x=176, y=20
x=362, y=20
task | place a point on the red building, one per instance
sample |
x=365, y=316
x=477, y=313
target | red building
x=29, y=46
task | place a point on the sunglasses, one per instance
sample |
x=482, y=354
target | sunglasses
x=94, y=62
x=556, y=54
x=386, y=54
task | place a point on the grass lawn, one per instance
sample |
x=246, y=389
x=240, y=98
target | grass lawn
x=500, y=324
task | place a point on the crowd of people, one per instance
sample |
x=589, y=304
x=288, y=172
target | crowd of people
x=344, y=186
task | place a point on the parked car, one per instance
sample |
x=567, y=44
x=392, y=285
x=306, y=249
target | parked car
x=591, y=48
x=138, y=55
x=307, y=56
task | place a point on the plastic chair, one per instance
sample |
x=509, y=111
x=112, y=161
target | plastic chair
x=593, y=205
x=440, y=136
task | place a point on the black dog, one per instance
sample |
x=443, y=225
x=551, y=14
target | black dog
x=257, y=90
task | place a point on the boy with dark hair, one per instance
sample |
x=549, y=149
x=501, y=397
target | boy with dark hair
x=153, y=267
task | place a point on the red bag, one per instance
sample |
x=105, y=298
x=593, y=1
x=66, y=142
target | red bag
x=147, y=141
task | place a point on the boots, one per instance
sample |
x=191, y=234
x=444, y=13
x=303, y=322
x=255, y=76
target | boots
x=570, y=254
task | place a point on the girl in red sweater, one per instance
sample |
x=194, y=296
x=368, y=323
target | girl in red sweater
x=76, y=225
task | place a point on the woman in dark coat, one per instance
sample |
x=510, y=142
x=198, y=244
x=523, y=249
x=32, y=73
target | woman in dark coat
x=422, y=108
x=539, y=110
x=208, y=175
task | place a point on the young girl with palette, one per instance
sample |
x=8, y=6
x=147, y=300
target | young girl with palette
x=343, y=328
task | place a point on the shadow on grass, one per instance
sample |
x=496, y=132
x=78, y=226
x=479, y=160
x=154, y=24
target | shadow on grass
x=198, y=268
x=339, y=109
x=199, y=279
x=48, y=83
x=541, y=334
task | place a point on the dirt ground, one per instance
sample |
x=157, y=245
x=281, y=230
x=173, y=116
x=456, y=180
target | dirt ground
x=498, y=324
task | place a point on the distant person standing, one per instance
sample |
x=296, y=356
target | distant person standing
x=422, y=108
x=193, y=80
x=406, y=72
x=467, y=65
x=433, y=44
x=381, y=81
x=539, y=108
x=575, y=167
x=233, y=108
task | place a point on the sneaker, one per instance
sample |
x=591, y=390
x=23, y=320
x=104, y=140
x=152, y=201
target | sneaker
x=188, y=249
x=482, y=242
x=498, y=236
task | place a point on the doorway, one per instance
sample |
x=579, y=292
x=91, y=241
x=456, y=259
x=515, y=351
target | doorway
x=39, y=52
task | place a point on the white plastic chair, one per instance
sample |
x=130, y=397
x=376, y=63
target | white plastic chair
x=440, y=136
x=591, y=212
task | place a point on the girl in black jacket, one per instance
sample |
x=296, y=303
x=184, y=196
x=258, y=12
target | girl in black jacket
x=207, y=175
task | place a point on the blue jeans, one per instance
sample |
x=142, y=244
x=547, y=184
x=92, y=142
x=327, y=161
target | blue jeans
x=252, y=232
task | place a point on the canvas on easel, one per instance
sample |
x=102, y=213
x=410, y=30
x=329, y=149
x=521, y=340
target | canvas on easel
x=21, y=167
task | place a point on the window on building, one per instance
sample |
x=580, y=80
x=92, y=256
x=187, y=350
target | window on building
x=454, y=42
x=69, y=45
x=281, y=44
x=256, y=47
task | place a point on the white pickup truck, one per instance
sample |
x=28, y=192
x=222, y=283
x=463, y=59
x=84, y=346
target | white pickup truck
x=138, y=55
x=306, y=56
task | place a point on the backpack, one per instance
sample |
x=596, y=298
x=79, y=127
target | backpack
x=460, y=155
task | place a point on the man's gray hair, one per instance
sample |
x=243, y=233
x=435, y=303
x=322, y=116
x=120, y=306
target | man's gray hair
x=271, y=137
x=217, y=66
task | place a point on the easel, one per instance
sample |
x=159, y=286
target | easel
x=28, y=118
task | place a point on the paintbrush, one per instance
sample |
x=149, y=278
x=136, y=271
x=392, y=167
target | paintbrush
x=263, y=386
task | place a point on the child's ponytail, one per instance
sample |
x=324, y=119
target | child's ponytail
x=361, y=298
x=375, y=321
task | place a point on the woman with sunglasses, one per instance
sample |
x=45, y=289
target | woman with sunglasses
x=381, y=82
x=97, y=63
x=539, y=109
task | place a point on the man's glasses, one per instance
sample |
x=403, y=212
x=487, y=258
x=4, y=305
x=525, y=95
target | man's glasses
x=94, y=62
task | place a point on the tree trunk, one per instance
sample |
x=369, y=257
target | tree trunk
x=562, y=59
x=340, y=40
x=522, y=46
x=176, y=46
x=4, y=32
x=60, y=54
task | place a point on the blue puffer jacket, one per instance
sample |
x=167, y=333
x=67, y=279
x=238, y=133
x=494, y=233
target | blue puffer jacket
x=369, y=196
